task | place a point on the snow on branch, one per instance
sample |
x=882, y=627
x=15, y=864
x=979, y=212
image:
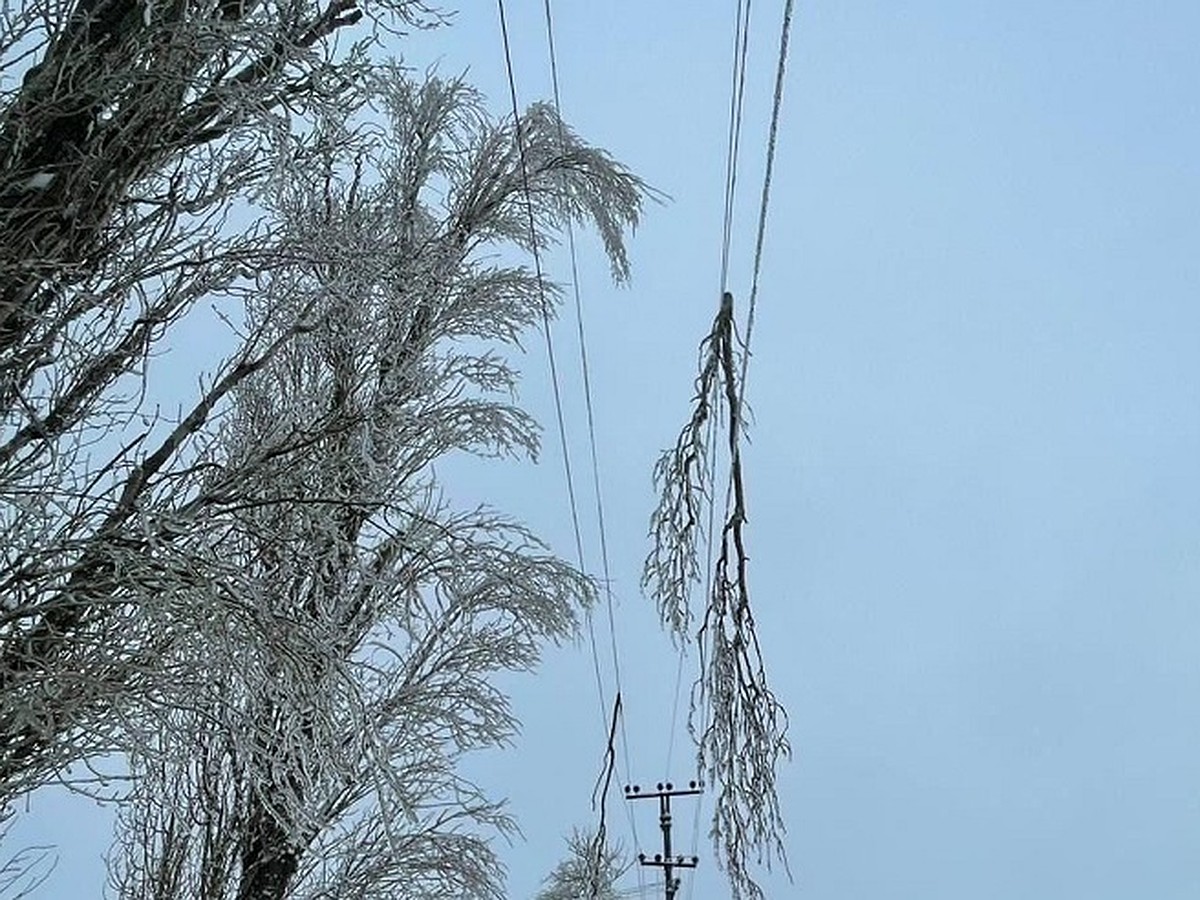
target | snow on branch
x=353, y=659
x=590, y=871
x=739, y=725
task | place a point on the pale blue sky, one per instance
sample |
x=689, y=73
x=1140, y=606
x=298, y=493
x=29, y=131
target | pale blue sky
x=974, y=502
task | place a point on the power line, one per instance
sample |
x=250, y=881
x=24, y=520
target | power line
x=737, y=93
x=585, y=369
x=785, y=31
x=541, y=283
x=558, y=404
x=550, y=354
x=549, y=339
x=709, y=552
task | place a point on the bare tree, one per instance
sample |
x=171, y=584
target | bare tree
x=315, y=750
x=129, y=131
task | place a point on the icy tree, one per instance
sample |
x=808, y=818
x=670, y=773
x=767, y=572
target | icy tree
x=129, y=129
x=24, y=871
x=590, y=871
x=313, y=746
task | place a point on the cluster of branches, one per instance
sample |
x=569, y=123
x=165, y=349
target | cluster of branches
x=591, y=870
x=262, y=604
x=129, y=131
x=739, y=725
x=355, y=663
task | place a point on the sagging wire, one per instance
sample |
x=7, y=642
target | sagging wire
x=585, y=368
x=785, y=32
x=698, y=698
x=617, y=717
x=550, y=353
x=729, y=622
x=737, y=94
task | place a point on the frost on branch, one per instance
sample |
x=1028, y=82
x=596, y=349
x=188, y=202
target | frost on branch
x=351, y=664
x=129, y=132
x=24, y=871
x=739, y=725
x=590, y=871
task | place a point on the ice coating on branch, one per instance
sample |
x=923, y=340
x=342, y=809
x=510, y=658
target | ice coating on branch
x=350, y=662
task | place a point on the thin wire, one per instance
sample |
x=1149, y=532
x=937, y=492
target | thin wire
x=785, y=31
x=550, y=354
x=586, y=371
x=680, y=657
x=777, y=105
x=737, y=93
x=709, y=552
x=591, y=424
x=602, y=786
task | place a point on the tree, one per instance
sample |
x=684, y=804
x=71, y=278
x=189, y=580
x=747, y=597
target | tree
x=351, y=670
x=589, y=872
x=123, y=150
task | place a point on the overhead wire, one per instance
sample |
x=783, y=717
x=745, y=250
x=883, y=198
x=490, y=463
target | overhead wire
x=709, y=553
x=617, y=716
x=585, y=369
x=547, y=330
x=737, y=95
x=785, y=32
x=551, y=356
x=733, y=147
x=676, y=694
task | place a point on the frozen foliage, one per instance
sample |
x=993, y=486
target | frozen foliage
x=739, y=725
x=590, y=871
x=329, y=692
x=128, y=131
x=24, y=871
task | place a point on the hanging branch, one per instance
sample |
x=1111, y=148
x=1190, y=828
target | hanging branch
x=681, y=479
x=743, y=732
x=599, y=846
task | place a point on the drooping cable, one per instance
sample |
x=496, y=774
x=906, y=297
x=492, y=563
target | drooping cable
x=785, y=31
x=547, y=333
x=551, y=357
x=698, y=702
x=675, y=697
x=737, y=94
x=585, y=370
x=736, y=392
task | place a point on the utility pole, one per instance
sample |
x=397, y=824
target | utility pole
x=665, y=860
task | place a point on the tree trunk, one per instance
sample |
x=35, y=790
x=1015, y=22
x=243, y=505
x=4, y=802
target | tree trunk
x=269, y=861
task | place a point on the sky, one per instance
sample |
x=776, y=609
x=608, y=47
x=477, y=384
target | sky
x=974, y=506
